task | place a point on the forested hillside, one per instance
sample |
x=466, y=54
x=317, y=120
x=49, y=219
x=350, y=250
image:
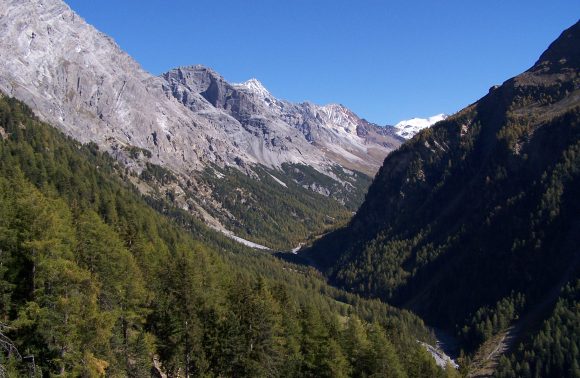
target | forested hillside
x=475, y=222
x=552, y=351
x=96, y=282
x=274, y=209
x=129, y=202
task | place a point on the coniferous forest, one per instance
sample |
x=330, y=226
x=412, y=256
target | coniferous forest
x=179, y=225
x=95, y=282
x=473, y=224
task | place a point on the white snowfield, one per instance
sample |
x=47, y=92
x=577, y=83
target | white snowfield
x=247, y=243
x=409, y=127
x=278, y=181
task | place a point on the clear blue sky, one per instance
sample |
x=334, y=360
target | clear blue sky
x=386, y=60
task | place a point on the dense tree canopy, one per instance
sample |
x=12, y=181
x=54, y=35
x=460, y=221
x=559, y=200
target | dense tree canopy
x=473, y=223
x=95, y=282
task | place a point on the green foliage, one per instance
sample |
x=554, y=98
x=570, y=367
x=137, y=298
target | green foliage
x=270, y=214
x=469, y=218
x=489, y=321
x=95, y=282
x=554, y=350
x=154, y=172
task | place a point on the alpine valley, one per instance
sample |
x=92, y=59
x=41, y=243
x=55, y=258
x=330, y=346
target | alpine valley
x=182, y=225
x=189, y=134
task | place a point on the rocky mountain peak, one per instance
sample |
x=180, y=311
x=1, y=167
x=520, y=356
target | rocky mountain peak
x=255, y=86
x=188, y=84
x=337, y=116
x=331, y=132
x=78, y=79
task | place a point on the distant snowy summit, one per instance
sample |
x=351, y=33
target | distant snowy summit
x=255, y=86
x=408, y=128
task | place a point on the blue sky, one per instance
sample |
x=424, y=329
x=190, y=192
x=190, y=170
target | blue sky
x=385, y=60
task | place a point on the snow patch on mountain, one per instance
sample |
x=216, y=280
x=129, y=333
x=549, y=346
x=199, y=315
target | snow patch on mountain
x=409, y=127
x=255, y=86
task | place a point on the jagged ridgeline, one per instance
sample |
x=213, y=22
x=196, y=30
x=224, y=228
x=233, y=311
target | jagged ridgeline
x=306, y=166
x=475, y=223
x=95, y=282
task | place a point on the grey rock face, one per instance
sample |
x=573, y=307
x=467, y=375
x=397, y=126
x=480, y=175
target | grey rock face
x=78, y=79
x=335, y=132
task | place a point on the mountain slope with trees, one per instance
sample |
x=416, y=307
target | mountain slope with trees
x=475, y=220
x=188, y=121
x=95, y=282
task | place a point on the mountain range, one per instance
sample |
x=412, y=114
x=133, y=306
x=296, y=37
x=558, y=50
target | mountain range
x=188, y=121
x=98, y=280
x=124, y=235
x=190, y=117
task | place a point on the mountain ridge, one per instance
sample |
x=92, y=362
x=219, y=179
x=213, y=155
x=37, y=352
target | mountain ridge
x=68, y=79
x=97, y=280
x=172, y=129
x=335, y=130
